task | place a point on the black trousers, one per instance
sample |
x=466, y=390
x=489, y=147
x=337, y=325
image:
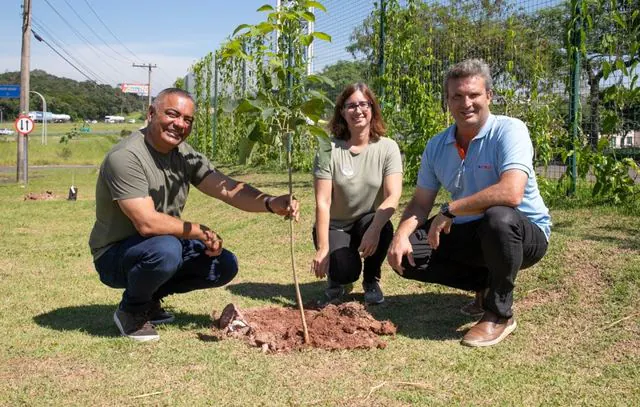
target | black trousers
x=345, y=264
x=486, y=253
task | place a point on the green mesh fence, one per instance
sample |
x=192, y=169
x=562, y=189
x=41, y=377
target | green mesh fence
x=528, y=47
x=569, y=69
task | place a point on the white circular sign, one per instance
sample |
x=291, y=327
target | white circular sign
x=24, y=125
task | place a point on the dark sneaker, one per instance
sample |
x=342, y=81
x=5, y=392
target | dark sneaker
x=135, y=326
x=335, y=291
x=489, y=331
x=158, y=315
x=372, y=293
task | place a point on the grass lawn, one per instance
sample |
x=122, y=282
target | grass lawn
x=86, y=149
x=577, y=342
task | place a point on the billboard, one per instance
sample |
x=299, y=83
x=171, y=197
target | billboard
x=137, y=88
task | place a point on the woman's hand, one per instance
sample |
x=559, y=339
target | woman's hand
x=320, y=263
x=369, y=242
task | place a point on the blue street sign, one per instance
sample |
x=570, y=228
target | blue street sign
x=10, y=91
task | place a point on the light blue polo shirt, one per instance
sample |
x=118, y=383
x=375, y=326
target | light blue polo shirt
x=502, y=144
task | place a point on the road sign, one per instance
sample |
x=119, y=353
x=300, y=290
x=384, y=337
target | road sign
x=24, y=125
x=10, y=91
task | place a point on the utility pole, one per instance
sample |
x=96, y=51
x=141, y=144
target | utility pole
x=149, y=66
x=22, y=167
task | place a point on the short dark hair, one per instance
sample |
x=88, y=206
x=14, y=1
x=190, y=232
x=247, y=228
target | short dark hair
x=171, y=91
x=338, y=126
x=467, y=68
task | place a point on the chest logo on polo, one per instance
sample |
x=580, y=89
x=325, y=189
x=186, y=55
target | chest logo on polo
x=485, y=166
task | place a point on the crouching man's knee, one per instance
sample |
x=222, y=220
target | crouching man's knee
x=224, y=268
x=498, y=219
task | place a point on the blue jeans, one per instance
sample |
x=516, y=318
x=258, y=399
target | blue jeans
x=151, y=268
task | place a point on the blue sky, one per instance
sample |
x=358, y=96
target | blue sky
x=171, y=34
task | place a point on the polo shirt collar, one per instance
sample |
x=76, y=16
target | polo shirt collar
x=486, y=128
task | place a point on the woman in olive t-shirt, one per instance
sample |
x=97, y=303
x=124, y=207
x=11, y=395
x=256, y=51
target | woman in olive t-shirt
x=358, y=182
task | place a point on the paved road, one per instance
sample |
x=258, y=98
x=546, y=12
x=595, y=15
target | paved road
x=5, y=168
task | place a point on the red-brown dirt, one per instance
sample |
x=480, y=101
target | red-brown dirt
x=33, y=196
x=277, y=329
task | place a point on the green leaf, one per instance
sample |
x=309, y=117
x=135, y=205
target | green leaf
x=230, y=105
x=267, y=113
x=323, y=154
x=606, y=69
x=266, y=7
x=618, y=19
x=321, y=134
x=318, y=78
x=319, y=95
x=240, y=27
x=245, y=146
x=256, y=132
x=307, y=15
x=265, y=28
x=306, y=40
x=315, y=4
x=246, y=106
x=321, y=36
x=313, y=108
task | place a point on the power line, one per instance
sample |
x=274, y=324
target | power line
x=108, y=29
x=80, y=36
x=39, y=38
x=96, y=34
x=62, y=46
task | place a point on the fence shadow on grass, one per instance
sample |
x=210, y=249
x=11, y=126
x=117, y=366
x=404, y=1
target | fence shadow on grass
x=97, y=320
x=432, y=316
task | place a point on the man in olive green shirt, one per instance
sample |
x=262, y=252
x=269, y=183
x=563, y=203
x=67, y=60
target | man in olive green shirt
x=139, y=241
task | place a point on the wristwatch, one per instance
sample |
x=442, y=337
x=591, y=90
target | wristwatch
x=444, y=209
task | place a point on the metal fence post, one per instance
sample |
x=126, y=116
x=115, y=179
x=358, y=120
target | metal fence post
x=244, y=70
x=574, y=88
x=214, y=118
x=381, y=63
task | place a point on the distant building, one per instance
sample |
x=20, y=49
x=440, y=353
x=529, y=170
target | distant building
x=629, y=139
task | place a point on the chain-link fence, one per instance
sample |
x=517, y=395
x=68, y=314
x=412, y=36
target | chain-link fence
x=569, y=69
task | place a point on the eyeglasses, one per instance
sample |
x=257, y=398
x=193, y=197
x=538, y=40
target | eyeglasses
x=364, y=106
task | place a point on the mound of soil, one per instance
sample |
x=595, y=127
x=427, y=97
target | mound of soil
x=277, y=329
x=32, y=196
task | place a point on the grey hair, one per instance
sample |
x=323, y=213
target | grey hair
x=171, y=91
x=467, y=68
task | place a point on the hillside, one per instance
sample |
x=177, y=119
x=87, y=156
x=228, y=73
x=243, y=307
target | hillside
x=80, y=100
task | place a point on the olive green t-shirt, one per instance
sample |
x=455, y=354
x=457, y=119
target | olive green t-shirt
x=133, y=169
x=357, y=178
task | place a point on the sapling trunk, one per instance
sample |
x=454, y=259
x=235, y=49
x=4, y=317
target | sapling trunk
x=291, y=240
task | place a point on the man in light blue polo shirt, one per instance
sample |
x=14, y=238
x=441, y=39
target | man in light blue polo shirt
x=496, y=222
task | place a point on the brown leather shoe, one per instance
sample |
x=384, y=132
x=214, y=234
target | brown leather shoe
x=490, y=330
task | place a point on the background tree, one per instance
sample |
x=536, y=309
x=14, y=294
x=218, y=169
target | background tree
x=80, y=100
x=179, y=83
